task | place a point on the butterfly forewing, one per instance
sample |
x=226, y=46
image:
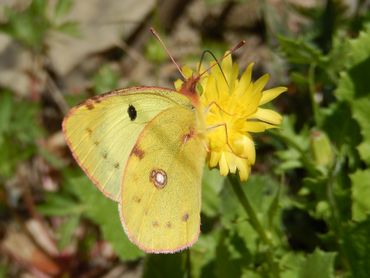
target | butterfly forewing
x=103, y=131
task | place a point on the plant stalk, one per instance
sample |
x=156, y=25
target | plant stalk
x=311, y=88
x=255, y=223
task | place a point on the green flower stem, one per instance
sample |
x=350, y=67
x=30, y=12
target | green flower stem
x=306, y=160
x=312, y=90
x=255, y=223
x=337, y=224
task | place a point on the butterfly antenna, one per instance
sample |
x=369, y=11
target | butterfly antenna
x=232, y=50
x=214, y=58
x=166, y=49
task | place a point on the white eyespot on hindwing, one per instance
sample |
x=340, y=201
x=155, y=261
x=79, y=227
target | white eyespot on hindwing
x=158, y=177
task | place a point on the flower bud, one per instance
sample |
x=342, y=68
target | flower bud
x=321, y=149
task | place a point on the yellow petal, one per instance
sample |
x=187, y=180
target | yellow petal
x=233, y=81
x=247, y=76
x=178, y=83
x=257, y=126
x=245, y=148
x=214, y=159
x=261, y=83
x=267, y=115
x=186, y=71
x=249, y=149
x=227, y=66
x=231, y=161
x=252, y=100
x=270, y=94
x=210, y=91
x=244, y=169
x=224, y=169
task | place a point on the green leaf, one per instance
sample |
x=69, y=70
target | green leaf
x=361, y=112
x=69, y=28
x=165, y=265
x=202, y=254
x=360, y=194
x=319, y=264
x=214, y=2
x=261, y=192
x=246, y=273
x=3, y=271
x=360, y=47
x=274, y=208
x=345, y=134
x=299, y=79
x=62, y=7
x=19, y=130
x=290, y=264
x=51, y=158
x=356, y=246
x=58, y=204
x=229, y=261
x=28, y=26
x=298, y=144
x=11, y=154
x=346, y=87
x=106, y=79
x=211, y=188
x=6, y=106
x=38, y=7
x=104, y=212
x=66, y=230
x=353, y=82
x=300, y=52
x=339, y=56
x=353, y=87
x=154, y=51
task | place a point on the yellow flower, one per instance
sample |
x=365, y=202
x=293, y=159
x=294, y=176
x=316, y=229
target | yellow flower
x=231, y=112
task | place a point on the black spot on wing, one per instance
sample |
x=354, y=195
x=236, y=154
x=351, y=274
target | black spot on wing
x=132, y=113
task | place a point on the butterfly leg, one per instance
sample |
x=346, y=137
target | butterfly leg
x=224, y=125
x=214, y=103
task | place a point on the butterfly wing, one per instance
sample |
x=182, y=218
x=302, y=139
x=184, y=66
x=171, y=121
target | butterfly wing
x=102, y=131
x=161, y=191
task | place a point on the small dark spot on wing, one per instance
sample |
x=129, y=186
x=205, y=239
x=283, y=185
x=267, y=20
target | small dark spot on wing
x=185, y=217
x=116, y=165
x=136, y=199
x=136, y=151
x=132, y=113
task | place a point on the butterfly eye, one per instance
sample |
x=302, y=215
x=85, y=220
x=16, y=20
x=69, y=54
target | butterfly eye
x=131, y=111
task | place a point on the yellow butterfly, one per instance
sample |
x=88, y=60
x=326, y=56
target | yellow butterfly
x=143, y=147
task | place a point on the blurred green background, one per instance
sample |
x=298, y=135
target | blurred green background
x=310, y=187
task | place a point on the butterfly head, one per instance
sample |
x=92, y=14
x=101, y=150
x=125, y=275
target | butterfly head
x=189, y=89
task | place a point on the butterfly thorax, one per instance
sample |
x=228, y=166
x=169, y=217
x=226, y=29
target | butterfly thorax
x=188, y=89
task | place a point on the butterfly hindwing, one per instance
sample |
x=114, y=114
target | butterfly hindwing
x=161, y=190
x=103, y=131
